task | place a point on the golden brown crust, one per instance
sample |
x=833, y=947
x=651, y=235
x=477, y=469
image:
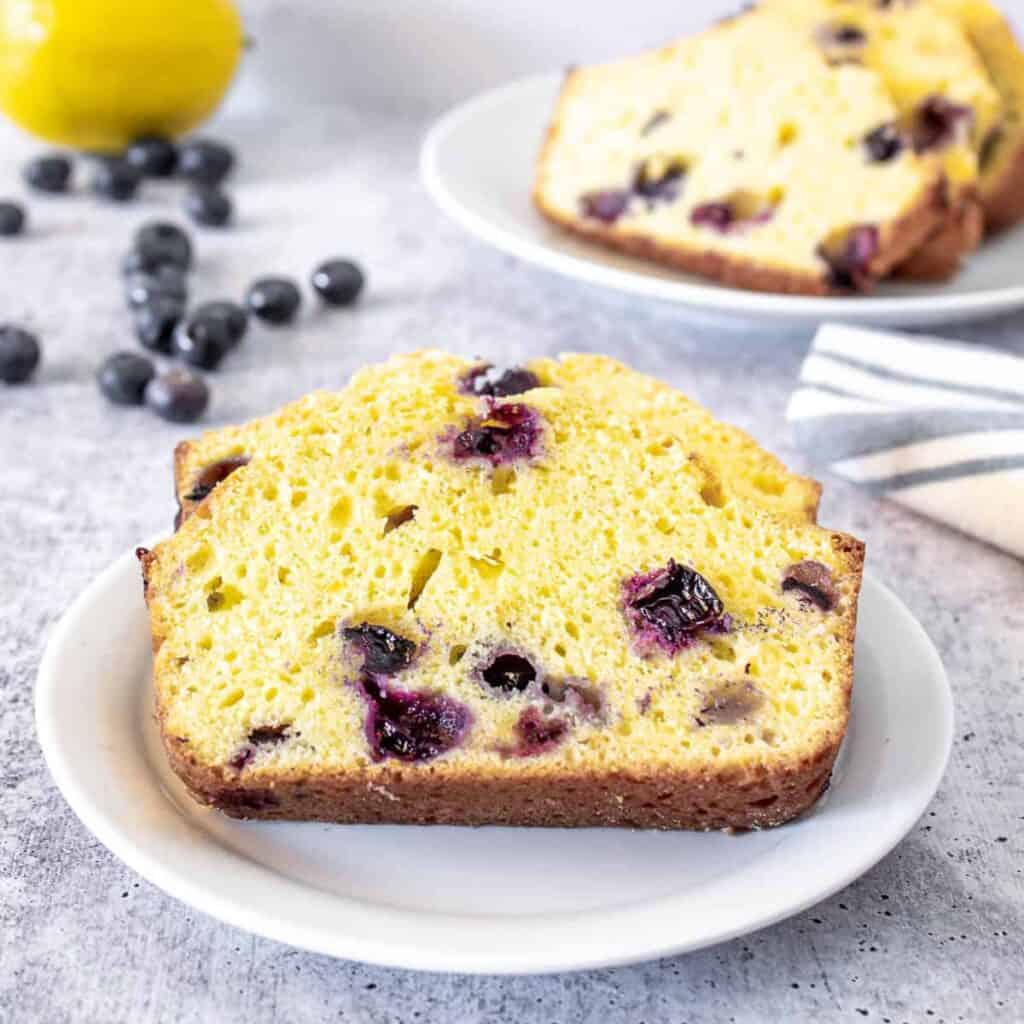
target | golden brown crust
x=1004, y=202
x=185, y=507
x=938, y=257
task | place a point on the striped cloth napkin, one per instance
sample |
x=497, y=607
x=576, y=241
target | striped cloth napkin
x=936, y=426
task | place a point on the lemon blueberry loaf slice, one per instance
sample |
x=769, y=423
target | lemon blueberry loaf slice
x=1001, y=156
x=744, y=154
x=946, y=102
x=561, y=630
x=735, y=459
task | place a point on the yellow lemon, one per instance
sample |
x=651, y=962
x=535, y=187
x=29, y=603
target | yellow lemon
x=95, y=74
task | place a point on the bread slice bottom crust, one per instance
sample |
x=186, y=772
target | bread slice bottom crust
x=666, y=800
x=899, y=242
x=940, y=256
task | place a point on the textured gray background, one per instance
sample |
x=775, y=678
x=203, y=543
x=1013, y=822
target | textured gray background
x=932, y=934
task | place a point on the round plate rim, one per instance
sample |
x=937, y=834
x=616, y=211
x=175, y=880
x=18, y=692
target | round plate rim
x=708, y=298
x=124, y=844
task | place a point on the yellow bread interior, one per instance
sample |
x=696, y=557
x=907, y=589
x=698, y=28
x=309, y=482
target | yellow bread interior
x=919, y=53
x=733, y=457
x=756, y=115
x=248, y=599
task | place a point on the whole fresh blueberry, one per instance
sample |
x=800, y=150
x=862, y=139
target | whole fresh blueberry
x=48, y=173
x=123, y=377
x=115, y=180
x=160, y=242
x=202, y=341
x=165, y=280
x=208, y=205
x=180, y=396
x=136, y=262
x=234, y=316
x=19, y=354
x=152, y=156
x=338, y=282
x=274, y=299
x=12, y=218
x=205, y=162
x=156, y=320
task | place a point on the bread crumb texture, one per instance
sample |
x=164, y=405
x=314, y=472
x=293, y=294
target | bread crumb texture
x=400, y=585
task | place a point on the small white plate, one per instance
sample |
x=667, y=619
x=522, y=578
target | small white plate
x=484, y=900
x=478, y=163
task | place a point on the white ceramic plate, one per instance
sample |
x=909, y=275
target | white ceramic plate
x=478, y=162
x=483, y=900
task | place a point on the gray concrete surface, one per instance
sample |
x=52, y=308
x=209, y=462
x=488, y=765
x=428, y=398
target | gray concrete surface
x=931, y=935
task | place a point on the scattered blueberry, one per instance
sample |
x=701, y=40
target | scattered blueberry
x=160, y=242
x=849, y=258
x=123, y=377
x=605, y=205
x=383, y=652
x=338, y=282
x=180, y=396
x=165, y=280
x=716, y=215
x=813, y=583
x=235, y=318
x=537, y=734
x=136, y=262
x=936, y=123
x=156, y=320
x=49, y=173
x=883, y=144
x=205, y=162
x=19, y=354
x=213, y=474
x=261, y=736
x=506, y=433
x=729, y=704
x=509, y=672
x=152, y=156
x=660, y=184
x=12, y=218
x=668, y=607
x=486, y=381
x=412, y=726
x=202, y=341
x=208, y=205
x=115, y=180
x=274, y=299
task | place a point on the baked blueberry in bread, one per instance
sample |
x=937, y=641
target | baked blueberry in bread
x=733, y=457
x=577, y=623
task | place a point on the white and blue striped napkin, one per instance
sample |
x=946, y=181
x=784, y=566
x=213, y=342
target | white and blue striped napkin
x=936, y=426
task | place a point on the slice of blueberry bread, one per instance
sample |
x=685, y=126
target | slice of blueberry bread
x=513, y=610
x=744, y=154
x=946, y=102
x=1001, y=157
x=732, y=456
